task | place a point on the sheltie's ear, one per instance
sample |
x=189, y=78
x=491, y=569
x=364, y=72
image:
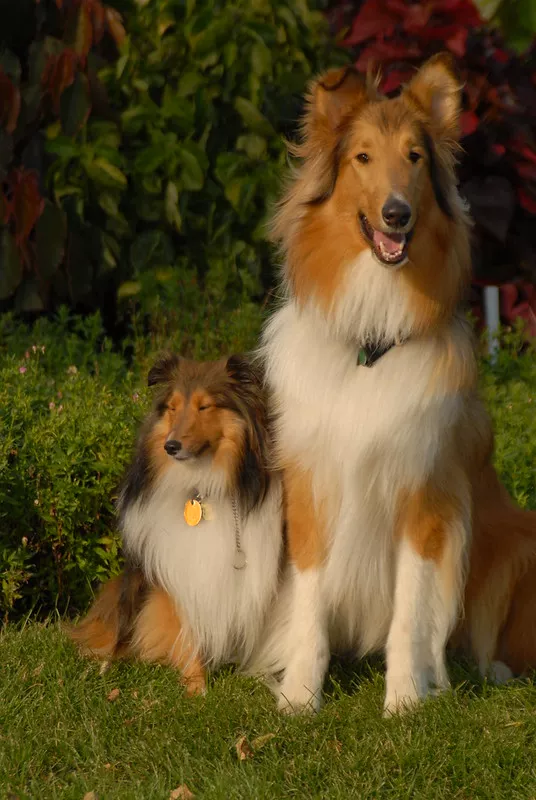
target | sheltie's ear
x=240, y=369
x=437, y=90
x=163, y=369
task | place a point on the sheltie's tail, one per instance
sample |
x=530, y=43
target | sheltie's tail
x=106, y=631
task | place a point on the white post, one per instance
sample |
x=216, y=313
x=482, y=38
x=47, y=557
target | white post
x=492, y=318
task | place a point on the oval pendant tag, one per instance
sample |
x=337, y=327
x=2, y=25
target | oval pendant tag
x=239, y=559
x=193, y=513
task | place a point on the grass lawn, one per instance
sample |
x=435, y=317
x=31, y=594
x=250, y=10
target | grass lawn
x=61, y=736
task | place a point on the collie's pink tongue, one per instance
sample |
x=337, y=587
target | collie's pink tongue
x=389, y=242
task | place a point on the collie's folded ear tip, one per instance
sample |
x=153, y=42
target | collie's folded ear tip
x=161, y=370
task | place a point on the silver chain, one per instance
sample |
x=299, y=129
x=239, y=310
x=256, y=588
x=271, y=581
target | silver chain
x=240, y=558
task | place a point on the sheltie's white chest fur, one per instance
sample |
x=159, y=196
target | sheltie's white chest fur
x=365, y=435
x=223, y=608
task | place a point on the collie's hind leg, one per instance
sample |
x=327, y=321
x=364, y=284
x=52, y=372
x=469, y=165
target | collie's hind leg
x=307, y=646
x=429, y=582
x=159, y=636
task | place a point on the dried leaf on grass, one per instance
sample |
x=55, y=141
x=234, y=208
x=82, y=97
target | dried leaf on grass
x=114, y=694
x=182, y=792
x=90, y=796
x=260, y=741
x=243, y=749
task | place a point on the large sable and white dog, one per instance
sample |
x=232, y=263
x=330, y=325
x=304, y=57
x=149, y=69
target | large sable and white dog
x=384, y=443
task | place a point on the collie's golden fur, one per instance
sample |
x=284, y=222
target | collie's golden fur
x=181, y=599
x=387, y=470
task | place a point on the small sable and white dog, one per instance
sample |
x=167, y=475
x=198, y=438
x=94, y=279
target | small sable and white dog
x=201, y=522
x=384, y=443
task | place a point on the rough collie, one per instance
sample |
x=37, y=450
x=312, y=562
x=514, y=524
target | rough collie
x=200, y=517
x=384, y=443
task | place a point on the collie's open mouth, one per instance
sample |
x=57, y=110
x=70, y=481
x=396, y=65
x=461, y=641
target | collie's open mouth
x=389, y=248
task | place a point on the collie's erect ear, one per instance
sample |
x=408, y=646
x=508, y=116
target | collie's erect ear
x=162, y=370
x=438, y=91
x=335, y=96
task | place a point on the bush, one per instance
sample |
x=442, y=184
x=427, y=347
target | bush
x=126, y=159
x=69, y=409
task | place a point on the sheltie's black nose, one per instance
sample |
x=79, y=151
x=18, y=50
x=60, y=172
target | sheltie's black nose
x=172, y=447
x=396, y=212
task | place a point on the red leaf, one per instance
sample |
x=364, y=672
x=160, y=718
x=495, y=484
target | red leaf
x=114, y=23
x=417, y=17
x=526, y=170
x=469, y=122
x=9, y=102
x=99, y=19
x=83, y=34
x=526, y=201
x=457, y=43
x=372, y=20
x=524, y=150
x=394, y=79
x=58, y=74
x=498, y=149
x=382, y=51
x=26, y=203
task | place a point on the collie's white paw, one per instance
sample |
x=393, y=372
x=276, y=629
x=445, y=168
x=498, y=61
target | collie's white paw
x=295, y=697
x=500, y=673
x=401, y=695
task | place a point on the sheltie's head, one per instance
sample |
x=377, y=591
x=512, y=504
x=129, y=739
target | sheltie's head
x=208, y=425
x=377, y=177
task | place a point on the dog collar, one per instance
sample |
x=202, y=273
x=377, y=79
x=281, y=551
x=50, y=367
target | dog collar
x=370, y=352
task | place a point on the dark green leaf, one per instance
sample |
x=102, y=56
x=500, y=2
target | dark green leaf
x=192, y=174
x=172, y=206
x=75, y=105
x=50, y=231
x=10, y=265
x=149, y=249
x=252, y=117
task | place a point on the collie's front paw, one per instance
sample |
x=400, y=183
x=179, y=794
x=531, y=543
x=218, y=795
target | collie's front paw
x=402, y=695
x=296, y=698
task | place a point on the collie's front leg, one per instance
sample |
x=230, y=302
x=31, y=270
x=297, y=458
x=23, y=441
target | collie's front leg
x=307, y=645
x=429, y=582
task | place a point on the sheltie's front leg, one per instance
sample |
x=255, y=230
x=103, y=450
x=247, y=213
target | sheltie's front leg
x=307, y=645
x=432, y=551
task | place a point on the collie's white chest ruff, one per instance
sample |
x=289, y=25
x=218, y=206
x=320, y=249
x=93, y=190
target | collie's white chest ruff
x=365, y=436
x=222, y=608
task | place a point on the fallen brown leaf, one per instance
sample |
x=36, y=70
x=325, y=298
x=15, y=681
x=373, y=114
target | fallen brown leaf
x=114, y=694
x=182, y=792
x=260, y=741
x=243, y=749
x=90, y=796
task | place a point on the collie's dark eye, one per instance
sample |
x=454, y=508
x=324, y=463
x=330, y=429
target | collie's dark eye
x=414, y=156
x=204, y=408
x=362, y=158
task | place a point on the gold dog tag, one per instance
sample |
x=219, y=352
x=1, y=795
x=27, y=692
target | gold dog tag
x=193, y=512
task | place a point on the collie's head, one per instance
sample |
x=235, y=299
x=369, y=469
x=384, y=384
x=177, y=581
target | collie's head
x=207, y=430
x=373, y=207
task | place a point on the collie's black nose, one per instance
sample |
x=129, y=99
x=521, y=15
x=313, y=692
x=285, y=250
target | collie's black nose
x=172, y=447
x=396, y=212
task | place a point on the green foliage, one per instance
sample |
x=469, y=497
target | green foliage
x=163, y=152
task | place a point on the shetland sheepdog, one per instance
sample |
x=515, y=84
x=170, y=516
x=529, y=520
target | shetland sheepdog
x=384, y=443
x=200, y=517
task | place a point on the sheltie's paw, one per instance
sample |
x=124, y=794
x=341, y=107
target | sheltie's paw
x=500, y=673
x=195, y=686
